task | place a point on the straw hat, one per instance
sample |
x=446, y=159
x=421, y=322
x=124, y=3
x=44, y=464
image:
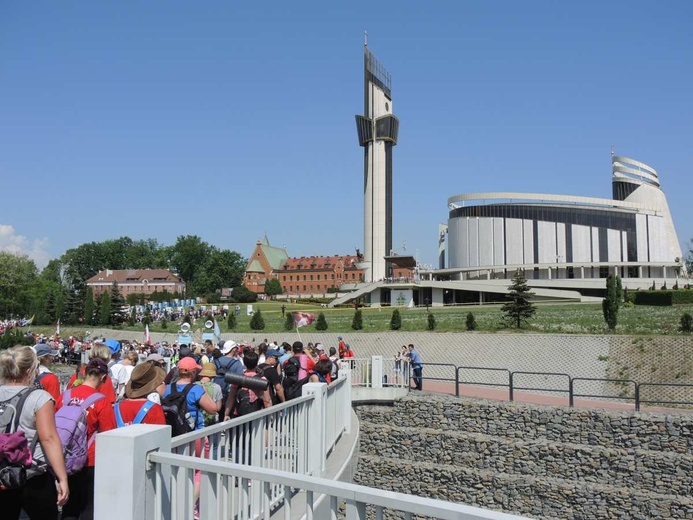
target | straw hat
x=208, y=370
x=144, y=380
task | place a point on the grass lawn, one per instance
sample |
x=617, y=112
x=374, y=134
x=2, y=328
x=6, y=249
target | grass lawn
x=549, y=318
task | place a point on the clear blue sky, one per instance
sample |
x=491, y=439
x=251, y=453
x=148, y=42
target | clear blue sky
x=231, y=119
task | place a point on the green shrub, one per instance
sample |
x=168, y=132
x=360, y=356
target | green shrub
x=471, y=322
x=321, y=323
x=396, y=320
x=357, y=322
x=289, y=321
x=686, y=325
x=231, y=320
x=431, y=325
x=164, y=323
x=663, y=298
x=257, y=322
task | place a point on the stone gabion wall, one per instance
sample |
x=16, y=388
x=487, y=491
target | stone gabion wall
x=543, y=462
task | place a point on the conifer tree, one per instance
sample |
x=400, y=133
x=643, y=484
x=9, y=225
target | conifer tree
x=117, y=304
x=611, y=302
x=357, y=322
x=471, y=322
x=105, y=309
x=89, y=307
x=257, y=322
x=396, y=320
x=519, y=308
x=321, y=322
x=231, y=321
x=50, y=312
x=431, y=325
x=289, y=321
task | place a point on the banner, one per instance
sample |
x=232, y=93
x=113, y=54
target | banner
x=147, y=339
x=301, y=319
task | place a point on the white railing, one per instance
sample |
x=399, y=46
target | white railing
x=378, y=372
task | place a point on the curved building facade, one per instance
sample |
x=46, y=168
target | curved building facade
x=558, y=237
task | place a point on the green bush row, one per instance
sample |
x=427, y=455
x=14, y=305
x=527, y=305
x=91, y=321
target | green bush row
x=662, y=298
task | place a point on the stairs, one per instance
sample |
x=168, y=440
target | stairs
x=539, y=462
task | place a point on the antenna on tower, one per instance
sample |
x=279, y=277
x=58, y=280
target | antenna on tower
x=365, y=38
x=612, y=150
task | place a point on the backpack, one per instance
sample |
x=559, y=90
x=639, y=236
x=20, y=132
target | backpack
x=293, y=389
x=209, y=418
x=334, y=372
x=138, y=418
x=270, y=387
x=291, y=370
x=37, y=381
x=16, y=455
x=175, y=406
x=71, y=423
x=230, y=365
x=247, y=400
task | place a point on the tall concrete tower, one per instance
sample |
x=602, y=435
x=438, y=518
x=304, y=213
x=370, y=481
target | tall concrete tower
x=377, y=131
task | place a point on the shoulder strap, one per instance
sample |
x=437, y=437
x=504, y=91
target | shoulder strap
x=173, y=389
x=143, y=412
x=23, y=394
x=91, y=400
x=119, y=418
x=187, y=389
x=66, y=396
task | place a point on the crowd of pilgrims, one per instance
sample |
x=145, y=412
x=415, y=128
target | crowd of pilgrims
x=127, y=383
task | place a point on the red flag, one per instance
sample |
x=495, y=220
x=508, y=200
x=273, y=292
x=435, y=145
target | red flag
x=302, y=319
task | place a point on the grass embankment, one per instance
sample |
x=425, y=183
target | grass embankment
x=553, y=318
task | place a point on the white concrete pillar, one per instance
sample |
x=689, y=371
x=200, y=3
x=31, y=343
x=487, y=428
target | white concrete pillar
x=346, y=403
x=377, y=371
x=123, y=485
x=317, y=462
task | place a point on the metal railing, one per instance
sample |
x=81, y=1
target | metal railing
x=510, y=381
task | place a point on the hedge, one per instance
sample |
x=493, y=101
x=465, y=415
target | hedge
x=662, y=298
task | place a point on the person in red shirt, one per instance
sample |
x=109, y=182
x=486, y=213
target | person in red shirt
x=100, y=418
x=342, y=347
x=145, y=379
x=348, y=353
x=45, y=378
x=100, y=351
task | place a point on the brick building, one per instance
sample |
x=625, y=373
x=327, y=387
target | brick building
x=136, y=281
x=304, y=275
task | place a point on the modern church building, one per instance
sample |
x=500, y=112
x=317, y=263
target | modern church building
x=560, y=238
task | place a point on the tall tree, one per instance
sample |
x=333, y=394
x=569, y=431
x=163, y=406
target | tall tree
x=17, y=276
x=519, y=309
x=611, y=302
x=105, y=309
x=689, y=258
x=190, y=254
x=117, y=305
x=273, y=287
x=89, y=307
x=50, y=314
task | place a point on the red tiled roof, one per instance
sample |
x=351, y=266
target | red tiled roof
x=319, y=262
x=134, y=276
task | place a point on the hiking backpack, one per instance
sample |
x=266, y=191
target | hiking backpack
x=231, y=365
x=175, y=406
x=71, y=423
x=16, y=455
x=37, y=381
x=294, y=389
x=290, y=370
x=247, y=400
x=138, y=418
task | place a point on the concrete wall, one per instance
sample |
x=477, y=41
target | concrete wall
x=542, y=462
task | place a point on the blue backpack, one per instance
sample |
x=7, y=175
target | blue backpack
x=138, y=418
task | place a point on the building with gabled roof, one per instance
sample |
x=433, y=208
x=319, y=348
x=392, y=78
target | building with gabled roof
x=136, y=281
x=262, y=265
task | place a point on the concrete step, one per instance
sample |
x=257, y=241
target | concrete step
x=534, y=496
x=607, y=428
x=644, y=470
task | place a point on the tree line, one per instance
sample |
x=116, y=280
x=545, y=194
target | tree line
x=59, y=291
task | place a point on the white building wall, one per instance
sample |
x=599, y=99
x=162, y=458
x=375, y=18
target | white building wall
x=473, y=233
x=547, y=242
x=453, y=243
x=613, y=237
x=624, y=246
x=463, y=237
x=581, y=243
x=659, y=250
x=486, y=241
x=560, y=242
x=498, y=242
x=641, y=232
x=514, y=241
x=528, y=238
x=595, y=245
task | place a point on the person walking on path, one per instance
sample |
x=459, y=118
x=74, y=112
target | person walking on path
x=417, y=366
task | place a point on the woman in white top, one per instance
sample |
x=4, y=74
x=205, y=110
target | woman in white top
x=40, y=496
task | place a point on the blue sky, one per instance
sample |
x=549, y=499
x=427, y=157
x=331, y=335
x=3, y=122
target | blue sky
x=230, y=120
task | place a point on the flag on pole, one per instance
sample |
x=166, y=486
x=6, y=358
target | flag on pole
x=147, y=339
x=301, y=319
x=57, y=328
x=217, y=331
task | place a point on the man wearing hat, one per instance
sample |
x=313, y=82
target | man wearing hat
x=45, y=378
x=139, y=405
x=271, y=372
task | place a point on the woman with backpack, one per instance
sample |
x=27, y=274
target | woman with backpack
x=101, y=351
x=196, y=397
x=139, y=405
x=100, y=418
x=39, y=496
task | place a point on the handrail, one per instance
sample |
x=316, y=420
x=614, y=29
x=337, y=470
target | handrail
x=457, y=389
x=513, y=388
x=356, y=496
x=639, y=400
x=573, y=395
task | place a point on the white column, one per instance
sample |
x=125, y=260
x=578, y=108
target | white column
x=377, y=371
x=346, y=403
x=317, y=461
x=123, y=486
